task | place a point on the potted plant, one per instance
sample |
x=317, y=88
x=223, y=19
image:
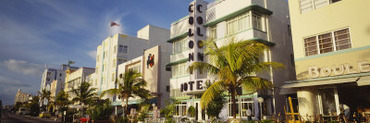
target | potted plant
x=191, y=113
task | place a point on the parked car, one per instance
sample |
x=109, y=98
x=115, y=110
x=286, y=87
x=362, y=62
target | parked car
x=44, y=114
x=22, y=111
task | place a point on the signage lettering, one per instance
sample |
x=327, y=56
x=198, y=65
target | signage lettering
x=191, y=44
x=190, y=33
x=315, y=72
x=191, y=20
x=191, y=56
x=199, y=84
x=200, y=56
x=189, y=86
x=191, y=8
x=198, y=32
x=198, y=8
x=199, y=20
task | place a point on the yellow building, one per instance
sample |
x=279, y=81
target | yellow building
x=332, y=55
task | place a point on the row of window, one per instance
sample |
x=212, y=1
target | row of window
x=309, y=5
x=246, y=104
x=244, y=22
x=240, y=23
x=120, y=61
x=180, y=46
x=328, y=42
x=121, y=49
x=179, y=70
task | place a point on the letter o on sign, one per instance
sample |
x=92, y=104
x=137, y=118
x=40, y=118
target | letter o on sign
x=199, y=20
x=191, y=20
x=185, y=87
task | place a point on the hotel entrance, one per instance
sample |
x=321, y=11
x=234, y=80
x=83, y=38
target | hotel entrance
x=357, y=98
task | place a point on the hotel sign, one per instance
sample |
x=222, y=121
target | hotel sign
x=334, y=70
x=193, y=86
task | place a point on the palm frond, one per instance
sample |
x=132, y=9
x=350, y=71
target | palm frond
x=110, y=92
x=203, y=66
x=210, y=93
x=254, y=83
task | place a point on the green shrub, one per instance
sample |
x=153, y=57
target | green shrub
x=101, y=110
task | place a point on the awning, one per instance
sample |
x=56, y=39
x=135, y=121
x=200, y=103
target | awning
x=284, y=91
x=178, y=62
x=364, y=81
x=130, y=102
x=319, y=82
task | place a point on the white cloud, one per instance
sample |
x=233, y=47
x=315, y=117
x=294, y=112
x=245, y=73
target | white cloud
x=5, y=81
x=92, y=54
x=23, y=67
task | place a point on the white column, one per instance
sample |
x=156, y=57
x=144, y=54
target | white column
x=336, y=98
x=307, y=100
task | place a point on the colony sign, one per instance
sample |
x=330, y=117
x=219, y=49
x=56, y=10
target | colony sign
x=315, y=72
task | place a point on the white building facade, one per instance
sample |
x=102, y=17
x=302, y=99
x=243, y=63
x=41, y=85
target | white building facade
x=49, y=75
x=223, y=20
x=74, y=78
x=152, y=66
x=120, y=48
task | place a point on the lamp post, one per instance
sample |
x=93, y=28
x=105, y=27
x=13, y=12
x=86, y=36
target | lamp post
x=260, y=100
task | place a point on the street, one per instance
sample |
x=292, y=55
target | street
x=11, y=118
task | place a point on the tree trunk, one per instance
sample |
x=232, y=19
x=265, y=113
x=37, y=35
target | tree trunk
x=233, y=103
x=126, y=107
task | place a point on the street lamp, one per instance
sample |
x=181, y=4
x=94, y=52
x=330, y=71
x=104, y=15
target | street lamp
x=260, y=100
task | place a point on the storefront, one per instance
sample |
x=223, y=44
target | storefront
x=327, y=83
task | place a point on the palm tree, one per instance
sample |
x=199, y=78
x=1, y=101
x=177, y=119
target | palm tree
x=85, y=95
x=45, y=94
x=236, y=66
x=130, y=84
x=62, y=102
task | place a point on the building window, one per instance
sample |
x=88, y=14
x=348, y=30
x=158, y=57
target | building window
x=308, y=5
x=325, y=43
x=113, y=76
x=179, y=70
x=181, y=109
x=230, y=107
x=257, y=21
x=342, y=39
x=327, y=101
x=310, y=46
x=213, y=33
x=237, y=24
x=115, y=49
x=168, y=88
x=114, y=63
x=246, y=104
x=180, y=46
x=328, y=42
x=121, y=61
x=123, y=49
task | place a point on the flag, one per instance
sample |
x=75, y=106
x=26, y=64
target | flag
x=114, y=24
x=71, y=62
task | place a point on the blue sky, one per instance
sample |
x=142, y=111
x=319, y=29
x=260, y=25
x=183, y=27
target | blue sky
x=38, y=32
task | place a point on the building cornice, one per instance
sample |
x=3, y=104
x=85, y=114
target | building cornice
x=178, y=37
